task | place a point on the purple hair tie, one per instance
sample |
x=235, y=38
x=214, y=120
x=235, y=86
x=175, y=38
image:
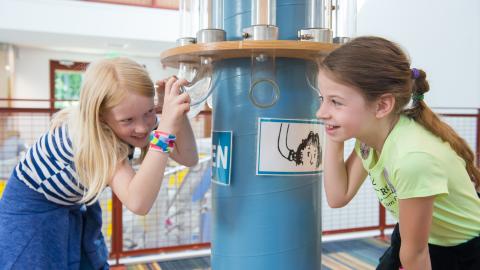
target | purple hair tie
x=415, y=73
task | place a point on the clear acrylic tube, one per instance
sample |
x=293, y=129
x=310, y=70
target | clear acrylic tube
x=345, y=18
x=189, y=17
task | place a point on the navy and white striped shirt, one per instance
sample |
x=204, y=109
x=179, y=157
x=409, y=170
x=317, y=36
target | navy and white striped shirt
x=48, y=168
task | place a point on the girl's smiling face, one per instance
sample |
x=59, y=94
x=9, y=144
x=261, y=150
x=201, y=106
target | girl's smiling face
x=343, y=109
x=132, y=119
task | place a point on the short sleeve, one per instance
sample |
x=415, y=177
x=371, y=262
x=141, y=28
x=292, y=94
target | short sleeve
x=419, y=175
x=364, y=152
x=357, y=148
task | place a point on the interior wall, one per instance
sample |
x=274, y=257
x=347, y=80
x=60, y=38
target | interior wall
x=442, y=37
x=32, y=79
x=3, y=73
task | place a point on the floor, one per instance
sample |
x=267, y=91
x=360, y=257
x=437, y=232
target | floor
x=359, y=254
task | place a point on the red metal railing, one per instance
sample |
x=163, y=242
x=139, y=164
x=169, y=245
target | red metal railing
x=174, y=221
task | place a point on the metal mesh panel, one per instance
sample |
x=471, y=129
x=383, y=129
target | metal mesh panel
x=177, y=217
x=19, y=130
x=107, y=222
x=465, y=127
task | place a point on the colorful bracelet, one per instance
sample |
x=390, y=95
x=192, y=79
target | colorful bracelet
x=162, y=141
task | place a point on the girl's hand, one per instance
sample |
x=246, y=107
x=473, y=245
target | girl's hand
x=160, y=90
x=175, y=105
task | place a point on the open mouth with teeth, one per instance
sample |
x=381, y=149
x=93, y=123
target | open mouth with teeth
x=331, y=127
x=144, y=137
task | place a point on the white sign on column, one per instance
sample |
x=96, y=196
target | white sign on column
x=289, y=146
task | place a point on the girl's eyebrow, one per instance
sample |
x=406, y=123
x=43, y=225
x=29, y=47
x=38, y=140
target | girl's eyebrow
x=130, y=116
x=153, y=107
x=335, y=96
x=329, y=96
x=124, y=118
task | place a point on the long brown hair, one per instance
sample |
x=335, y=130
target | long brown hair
x=378, y=66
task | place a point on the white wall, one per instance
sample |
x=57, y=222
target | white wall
x=33, y=78
x=442, y=37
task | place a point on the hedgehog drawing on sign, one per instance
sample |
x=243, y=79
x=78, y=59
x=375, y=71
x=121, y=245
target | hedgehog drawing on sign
x=308, y=152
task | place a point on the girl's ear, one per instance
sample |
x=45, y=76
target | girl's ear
x=384, y=105
x=102, y=117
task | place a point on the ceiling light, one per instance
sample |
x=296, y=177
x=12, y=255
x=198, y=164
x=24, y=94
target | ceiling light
x=117, y=45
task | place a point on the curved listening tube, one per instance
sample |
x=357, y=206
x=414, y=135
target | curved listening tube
x=200, y=83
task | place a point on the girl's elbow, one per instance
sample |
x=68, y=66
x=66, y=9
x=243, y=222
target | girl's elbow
x=190, y=161
x=336, y=203
x=141, y=212
x=139, y=209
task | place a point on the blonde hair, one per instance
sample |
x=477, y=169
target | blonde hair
x=97, y=150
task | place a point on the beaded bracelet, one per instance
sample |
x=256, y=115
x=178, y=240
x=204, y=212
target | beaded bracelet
x=162, y=141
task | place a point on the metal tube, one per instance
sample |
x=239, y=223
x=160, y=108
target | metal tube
x=218, y=14
x=264, y=12
x=211, y=14
x=318, y=13
x=206, y=20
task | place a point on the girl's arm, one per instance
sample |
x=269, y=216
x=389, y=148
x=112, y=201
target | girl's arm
x=185, y=151
x=342, y=179
x=138, y=191
x=415, y=221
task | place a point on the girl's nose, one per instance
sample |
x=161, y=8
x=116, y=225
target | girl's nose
x=141, y=128
x=322, y=112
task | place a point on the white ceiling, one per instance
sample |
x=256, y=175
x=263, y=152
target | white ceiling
x=88, y=27
x=84, y=44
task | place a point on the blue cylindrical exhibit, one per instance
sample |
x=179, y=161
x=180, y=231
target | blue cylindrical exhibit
x=263, y=222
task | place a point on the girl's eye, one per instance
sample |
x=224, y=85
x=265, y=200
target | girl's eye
x=126, y=121
x=149, y=113
x=336, y=103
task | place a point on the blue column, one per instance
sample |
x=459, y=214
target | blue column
x=263, y=222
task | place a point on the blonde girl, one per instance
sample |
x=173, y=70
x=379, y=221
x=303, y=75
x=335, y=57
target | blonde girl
x=50, y=217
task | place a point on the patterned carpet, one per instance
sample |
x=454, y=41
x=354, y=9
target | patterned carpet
x=360, y=254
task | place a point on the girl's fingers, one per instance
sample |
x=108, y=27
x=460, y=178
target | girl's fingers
x=168, y=85
x=184, y=107
x=183, y=98
x=160, y=86
x=176, y=86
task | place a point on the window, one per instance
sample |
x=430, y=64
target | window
x=65, y=82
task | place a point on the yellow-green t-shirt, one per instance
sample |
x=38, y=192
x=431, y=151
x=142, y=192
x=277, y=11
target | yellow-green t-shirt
x=416, y=163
